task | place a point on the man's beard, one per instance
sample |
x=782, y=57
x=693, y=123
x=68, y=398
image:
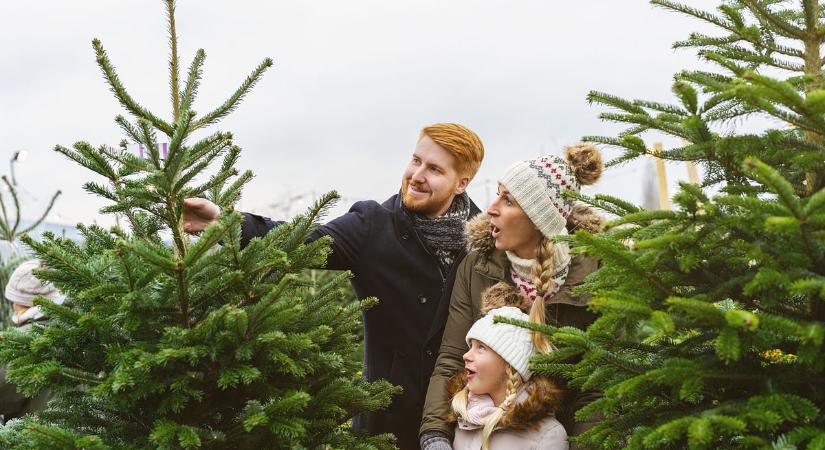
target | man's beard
x=423, y=206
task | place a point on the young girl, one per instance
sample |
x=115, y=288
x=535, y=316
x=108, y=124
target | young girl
x=497, y=402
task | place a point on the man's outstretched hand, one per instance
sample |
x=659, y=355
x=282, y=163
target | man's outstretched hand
x=198, y=213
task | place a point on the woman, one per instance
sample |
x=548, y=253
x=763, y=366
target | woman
x=497, y=403
x=512, y=244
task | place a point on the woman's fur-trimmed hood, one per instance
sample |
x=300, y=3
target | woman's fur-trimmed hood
x=544, y=398
x=480, y=239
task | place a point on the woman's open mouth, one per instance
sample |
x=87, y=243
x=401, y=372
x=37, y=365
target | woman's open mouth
x=495, y=231
x=470, y=373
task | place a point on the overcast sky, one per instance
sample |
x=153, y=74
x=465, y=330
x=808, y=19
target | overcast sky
x=353, y=83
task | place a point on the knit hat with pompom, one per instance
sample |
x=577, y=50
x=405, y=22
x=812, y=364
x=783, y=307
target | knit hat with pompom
x=538, y=185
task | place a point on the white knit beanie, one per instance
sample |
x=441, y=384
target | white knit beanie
x=23, y=286
x=513, y=343
x=538, y=185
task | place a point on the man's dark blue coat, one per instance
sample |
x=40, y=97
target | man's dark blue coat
x=402, y=334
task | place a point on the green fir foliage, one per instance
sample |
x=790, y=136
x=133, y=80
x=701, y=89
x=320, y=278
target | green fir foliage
x=200, y=344
x=712, y=316
x=769, y=63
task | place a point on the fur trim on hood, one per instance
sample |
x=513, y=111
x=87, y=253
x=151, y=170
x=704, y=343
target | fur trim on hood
x=479, y=237
x=543, y=399
x=502, y=294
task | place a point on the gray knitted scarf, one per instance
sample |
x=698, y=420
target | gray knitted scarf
x=444, y=236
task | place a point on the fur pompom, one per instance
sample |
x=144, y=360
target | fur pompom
x=586, y=162
x=583, y=217
x=502, y=294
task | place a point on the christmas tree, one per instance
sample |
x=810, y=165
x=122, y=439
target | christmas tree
x=192, y=343
x=712, y=316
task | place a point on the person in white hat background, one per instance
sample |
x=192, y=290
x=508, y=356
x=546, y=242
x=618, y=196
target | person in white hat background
x=21, y=290
x=513, y=249
x=497, y=402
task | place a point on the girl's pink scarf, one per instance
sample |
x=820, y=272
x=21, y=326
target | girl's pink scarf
x=479, y=410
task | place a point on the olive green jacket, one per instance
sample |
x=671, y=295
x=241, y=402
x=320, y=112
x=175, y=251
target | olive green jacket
x=482, y=268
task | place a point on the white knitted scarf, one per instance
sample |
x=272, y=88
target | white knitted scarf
x=522, y=273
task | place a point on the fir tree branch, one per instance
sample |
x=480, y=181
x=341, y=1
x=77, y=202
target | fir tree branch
x=775, y=22
x=149, y=139
x=783, y=50
x=183, y=294
x=181, y=182
x=662, y=107
x=16, y=200
x=171, y=164
x=130, y=161
x=174, y=82
x=215, y=182
x=617, y=361
x=209, y=238
x=230, y=104
x=217, y=141
x=711, y=82
x=646, y=121
x=786, y=95
x=60, y=438
x=80, y=375
x=810, y=9
x=715, y=57
x=742, y=54
x=621, y=256
x=176, y=226
x=4, y=224
x=96, y=155
x=127, y=128
x=783, y=189
x=42, y=216
x=642, y=217
x=190, y=91
x=233, y=193
x=126, y=268
x=120, y=91
x=757, y=99
x=59, y=259
x=815, y=203
x=603, y=98
x=634, y=146
x=697, y=13
x=700, y=40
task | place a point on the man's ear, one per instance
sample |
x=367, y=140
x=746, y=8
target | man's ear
x=461, y=186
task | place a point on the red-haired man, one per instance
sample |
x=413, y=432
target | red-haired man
x=402, y=251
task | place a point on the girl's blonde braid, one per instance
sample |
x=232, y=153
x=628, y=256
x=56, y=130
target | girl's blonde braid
x=514, y=382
